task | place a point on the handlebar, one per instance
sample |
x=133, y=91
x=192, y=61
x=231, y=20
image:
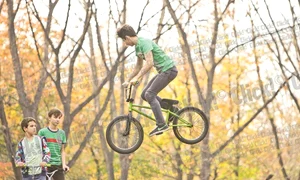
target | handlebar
x=47, y=165
x=128, y=95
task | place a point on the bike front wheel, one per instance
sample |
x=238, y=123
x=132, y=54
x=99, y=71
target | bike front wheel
x=124, y=135
x=191, y=125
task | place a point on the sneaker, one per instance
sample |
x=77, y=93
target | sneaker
x=174, y=110
x=159, y=130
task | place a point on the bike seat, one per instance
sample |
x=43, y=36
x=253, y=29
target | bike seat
x=169, y=103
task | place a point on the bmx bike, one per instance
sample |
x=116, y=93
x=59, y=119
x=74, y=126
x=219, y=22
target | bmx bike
x=125, y=134
x=49, y=175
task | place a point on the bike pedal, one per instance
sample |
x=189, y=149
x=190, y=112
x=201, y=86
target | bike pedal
x=159, y=133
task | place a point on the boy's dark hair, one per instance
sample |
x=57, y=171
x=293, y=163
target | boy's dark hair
x=25, y=122
x=55, y=112
x=125, y=30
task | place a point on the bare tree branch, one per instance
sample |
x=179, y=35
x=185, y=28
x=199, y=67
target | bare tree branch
x=141, y=18
x=1, y=5
x=214, y=154
x=100, y=42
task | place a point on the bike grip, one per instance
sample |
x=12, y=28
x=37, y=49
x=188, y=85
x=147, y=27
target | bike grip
x=47, y=165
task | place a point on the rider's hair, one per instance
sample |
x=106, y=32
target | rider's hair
x=125, y=30
x=26, y=121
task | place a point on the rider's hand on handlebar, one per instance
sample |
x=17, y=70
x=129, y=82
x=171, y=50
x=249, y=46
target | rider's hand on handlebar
x=134, y=81
x=125, y=84
x=66, y=168
x=43, y=164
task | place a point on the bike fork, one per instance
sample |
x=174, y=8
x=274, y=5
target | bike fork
x=128, y=122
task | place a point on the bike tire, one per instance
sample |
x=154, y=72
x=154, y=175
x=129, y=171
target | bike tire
x=115, y=135
x=193, y=114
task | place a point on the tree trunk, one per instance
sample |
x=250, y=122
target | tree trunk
x=29, y=107
x=8, y=140
x=108, y=156
x=205, y=152
x=271, y=119
x=97, y=163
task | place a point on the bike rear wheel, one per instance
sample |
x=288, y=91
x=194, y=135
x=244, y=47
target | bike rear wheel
x=123, y=135
x=191, y=126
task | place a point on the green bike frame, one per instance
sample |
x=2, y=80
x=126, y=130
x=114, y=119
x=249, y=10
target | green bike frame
x=134, y=107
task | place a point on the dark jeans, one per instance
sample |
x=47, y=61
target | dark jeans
x=58, y=175
x=35, y=177
x=156, y=84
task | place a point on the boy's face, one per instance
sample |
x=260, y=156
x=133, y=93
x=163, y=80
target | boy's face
x=31, y=128
x=54, y=121
x=128, y=41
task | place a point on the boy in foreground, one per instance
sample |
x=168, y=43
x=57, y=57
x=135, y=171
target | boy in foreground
x=33, y=153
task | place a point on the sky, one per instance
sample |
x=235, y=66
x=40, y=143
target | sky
x=279, y=12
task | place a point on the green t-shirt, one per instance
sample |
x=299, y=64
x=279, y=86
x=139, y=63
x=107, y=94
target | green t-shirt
x=55, y=139
x=161, y=61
